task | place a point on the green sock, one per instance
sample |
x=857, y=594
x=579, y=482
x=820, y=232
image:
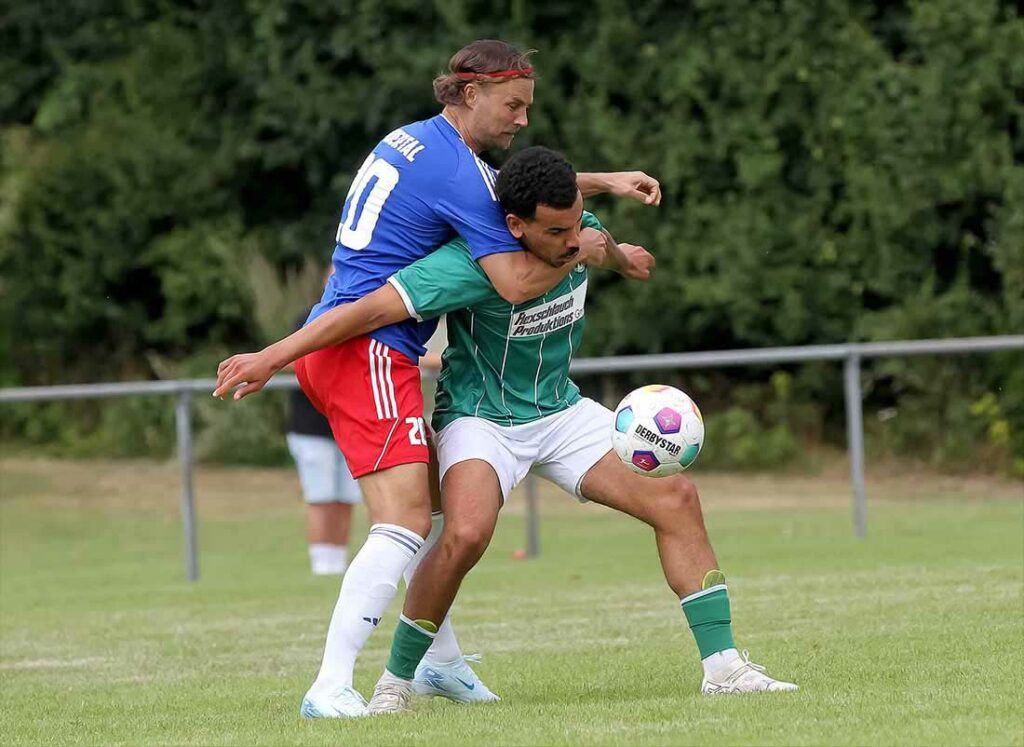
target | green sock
x=411, y=641
x=709, y=617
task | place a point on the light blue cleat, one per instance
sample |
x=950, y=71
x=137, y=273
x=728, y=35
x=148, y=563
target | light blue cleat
x=454, y=680
x=344, y=702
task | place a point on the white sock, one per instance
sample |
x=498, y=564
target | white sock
x=720, y=662
x=368, y=587
x=445, y=647
x=328, y=560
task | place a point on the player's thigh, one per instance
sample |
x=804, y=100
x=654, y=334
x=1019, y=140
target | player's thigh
x=399, y=495
x=571, y=443
x=468, y=439
x=479, y=468
x=472, y=499
x=373, y=400
x=654, y=500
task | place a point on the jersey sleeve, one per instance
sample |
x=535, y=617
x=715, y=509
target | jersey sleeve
x=590, y=221
x=468, y=204
x=445, y=280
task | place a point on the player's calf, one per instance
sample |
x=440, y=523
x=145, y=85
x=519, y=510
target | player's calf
x=472, y=499
x=671, y=506
x=678, y=522
x=726, y=671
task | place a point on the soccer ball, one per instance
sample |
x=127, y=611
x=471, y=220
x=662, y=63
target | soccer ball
x=658, y=431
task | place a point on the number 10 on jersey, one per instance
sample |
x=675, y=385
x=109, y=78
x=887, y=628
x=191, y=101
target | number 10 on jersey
x=366, y=197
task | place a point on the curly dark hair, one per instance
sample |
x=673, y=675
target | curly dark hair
x=536, y=176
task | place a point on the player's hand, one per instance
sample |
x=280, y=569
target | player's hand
x=593, y=248
x=637, y=185
x=635, y=262
x=250, y=371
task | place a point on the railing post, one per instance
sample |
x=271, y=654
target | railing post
x=183, y=424
x=855, y=440
x=532, y=518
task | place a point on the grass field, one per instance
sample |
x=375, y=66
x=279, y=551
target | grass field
x=913, y=636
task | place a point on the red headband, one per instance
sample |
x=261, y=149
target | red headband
x=521, y=73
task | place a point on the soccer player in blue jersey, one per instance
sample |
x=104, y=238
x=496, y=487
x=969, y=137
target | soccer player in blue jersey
x=421, y=186
x=506, y=405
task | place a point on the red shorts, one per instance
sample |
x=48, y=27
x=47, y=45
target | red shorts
x=371, y=396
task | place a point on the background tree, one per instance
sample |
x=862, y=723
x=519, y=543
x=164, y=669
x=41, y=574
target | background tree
x=833, y=171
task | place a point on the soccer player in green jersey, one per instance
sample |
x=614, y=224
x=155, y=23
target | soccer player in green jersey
x=506, y=405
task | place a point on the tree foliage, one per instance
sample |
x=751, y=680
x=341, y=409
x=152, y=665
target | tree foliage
x=832, y=170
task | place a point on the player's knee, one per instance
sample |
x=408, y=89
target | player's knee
x=414, y=521
x=466, y=542
x=687, y=490
x=415, y=518
x=680, y=498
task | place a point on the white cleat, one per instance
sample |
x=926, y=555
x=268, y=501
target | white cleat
x=391, y=695
x=344, y=702
x=454, y=680
x=744, y=677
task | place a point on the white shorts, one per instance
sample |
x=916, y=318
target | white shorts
x=561, y=447
x=322, y=470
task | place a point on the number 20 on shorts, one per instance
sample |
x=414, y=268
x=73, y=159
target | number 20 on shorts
x=417, y=431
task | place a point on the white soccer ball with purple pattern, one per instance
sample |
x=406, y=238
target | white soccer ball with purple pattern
x=658, y=431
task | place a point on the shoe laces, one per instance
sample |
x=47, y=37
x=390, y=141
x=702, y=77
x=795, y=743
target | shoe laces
x=745, y=656
x=463, y=660
x=746, y=668
x=461, y=665
x=391, y=695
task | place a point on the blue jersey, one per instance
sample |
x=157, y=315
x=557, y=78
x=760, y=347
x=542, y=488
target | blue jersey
x=419, y=188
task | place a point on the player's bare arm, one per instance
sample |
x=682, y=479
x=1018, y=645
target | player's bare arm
x=251, y=371
x=382, y=307
x=629, y=260
x=522, y=276
x=634, y=184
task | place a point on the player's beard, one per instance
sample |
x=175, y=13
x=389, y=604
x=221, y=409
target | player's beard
x=504, y=140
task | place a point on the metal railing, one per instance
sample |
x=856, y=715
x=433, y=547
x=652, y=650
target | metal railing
x=850, y=353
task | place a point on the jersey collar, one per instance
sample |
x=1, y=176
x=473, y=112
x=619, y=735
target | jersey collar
x=451, y=126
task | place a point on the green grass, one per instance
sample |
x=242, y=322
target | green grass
x=913, y=636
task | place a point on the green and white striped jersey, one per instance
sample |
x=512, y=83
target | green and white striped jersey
x=507, y=363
